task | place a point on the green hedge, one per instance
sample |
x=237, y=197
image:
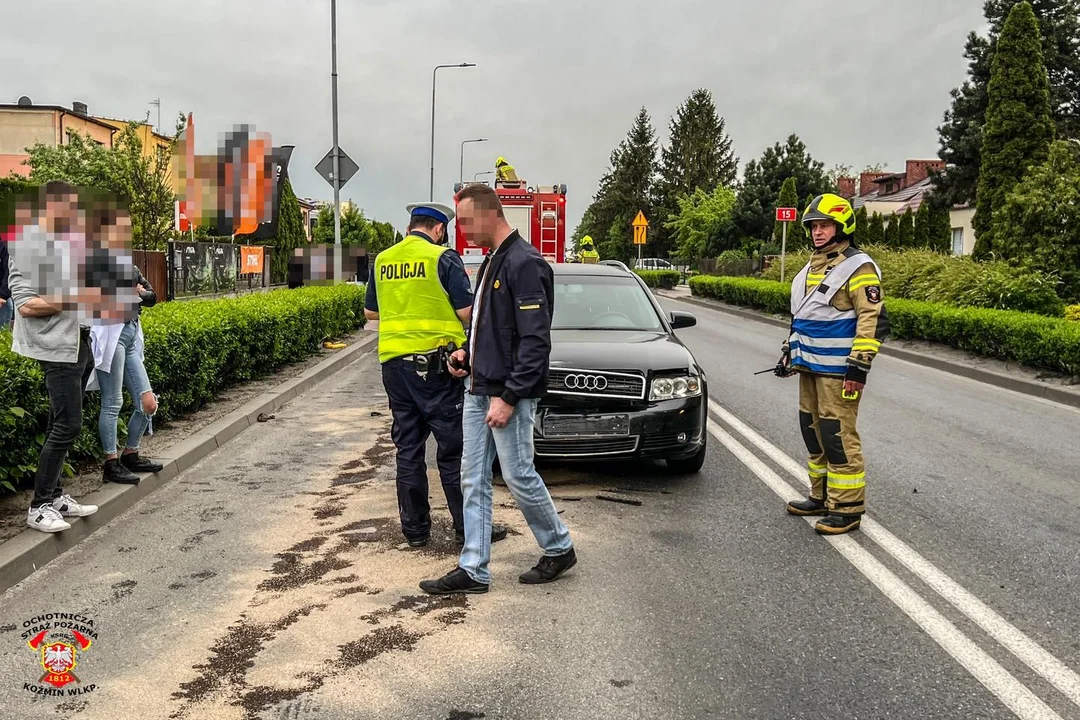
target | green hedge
x=960, y=281
x=665, y=279
x=1027, y=338
x=194, y=349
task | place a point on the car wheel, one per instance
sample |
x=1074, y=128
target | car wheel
x=690, y=465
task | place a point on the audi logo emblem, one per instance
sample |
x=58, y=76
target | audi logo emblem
x=585, y=382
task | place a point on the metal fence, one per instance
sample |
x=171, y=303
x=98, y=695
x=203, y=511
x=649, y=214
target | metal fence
x=203, y=268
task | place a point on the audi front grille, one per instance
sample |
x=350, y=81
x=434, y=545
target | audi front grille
x=584, y=447
x=596, y=383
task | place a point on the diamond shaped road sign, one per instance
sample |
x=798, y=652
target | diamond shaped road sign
x=346, y=165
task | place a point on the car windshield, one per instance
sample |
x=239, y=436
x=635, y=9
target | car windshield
x=597, y=302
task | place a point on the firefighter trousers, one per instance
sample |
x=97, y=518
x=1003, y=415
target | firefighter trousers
x=827, y=420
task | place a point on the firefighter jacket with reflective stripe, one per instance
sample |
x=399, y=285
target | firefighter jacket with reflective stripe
x=839, y=317
x=415, y=312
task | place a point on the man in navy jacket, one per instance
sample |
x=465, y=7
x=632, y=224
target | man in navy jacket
x=507, y=356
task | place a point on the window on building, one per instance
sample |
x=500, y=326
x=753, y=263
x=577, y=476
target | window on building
x=958, y=241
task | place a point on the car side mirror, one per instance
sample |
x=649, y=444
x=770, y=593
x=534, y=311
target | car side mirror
x=682, y=320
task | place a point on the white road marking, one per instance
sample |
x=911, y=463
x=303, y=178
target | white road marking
x=1011, y=638
x=1010, y=691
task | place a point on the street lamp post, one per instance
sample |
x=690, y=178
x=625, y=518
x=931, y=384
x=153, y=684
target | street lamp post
x=461, y=162
x=431, y=189
x=487, y=172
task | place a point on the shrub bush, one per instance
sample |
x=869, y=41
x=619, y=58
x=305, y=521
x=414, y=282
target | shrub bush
x=194, y=349
x=960, y=281
x=1027, y=338
x=665, y=279
x=1073, y=313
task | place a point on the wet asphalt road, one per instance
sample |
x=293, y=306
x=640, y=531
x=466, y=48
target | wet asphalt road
x=269, y=581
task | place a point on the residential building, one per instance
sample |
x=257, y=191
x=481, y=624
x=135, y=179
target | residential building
x=152, y=142
x=889, y=193
x=309, y=209
x=24, y=124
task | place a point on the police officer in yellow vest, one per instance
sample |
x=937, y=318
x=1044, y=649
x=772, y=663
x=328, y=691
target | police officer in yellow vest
x=419, y=292
x=839, y=322
x=588, y=252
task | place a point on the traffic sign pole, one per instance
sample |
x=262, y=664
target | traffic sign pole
x=785, y=216
x=337, y=159
x=783, y=252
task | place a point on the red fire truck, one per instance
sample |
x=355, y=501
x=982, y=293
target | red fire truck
x=538, y=213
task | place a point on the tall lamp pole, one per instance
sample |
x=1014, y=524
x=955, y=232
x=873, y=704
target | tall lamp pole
x=461, y=162
x=431, y=189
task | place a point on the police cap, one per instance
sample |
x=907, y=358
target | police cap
x=439, y=211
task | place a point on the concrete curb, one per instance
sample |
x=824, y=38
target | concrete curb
x=990, y=377
x=23, y=554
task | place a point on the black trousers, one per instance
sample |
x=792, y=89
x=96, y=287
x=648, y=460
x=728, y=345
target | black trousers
x=65, y=383
x=421, y=408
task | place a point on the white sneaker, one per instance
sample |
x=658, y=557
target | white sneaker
x=66, y=506
x=46, y=519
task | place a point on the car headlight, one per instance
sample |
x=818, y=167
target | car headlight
x=670, y=388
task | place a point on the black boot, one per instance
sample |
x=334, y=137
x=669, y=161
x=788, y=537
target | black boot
x=809, y=506
x=116, y=473
x=137, y=463
x=498, y=532
x=838, y=524
x=418, y=541
x=549, y=568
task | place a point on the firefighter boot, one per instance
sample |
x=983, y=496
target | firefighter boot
x=837, y=524
x=809, y=506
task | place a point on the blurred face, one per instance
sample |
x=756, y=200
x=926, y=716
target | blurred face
x=479, y=226
x=117, y=234
x=62, y=215
x=823, y=232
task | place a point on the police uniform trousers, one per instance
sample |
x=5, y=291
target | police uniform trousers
x=421, y=408
x=837, y=474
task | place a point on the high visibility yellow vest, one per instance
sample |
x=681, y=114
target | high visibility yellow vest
x=590, y=256
x=415, y=313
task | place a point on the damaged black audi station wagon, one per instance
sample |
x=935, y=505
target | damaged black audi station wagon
x=621, y=385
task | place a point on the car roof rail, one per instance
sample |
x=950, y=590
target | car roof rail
x=615, y=263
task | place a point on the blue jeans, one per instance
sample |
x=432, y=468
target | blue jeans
x=7, y=314
x=127, y=370
x=514, y=446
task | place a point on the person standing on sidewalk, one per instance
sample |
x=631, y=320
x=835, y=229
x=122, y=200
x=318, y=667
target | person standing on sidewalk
x=419, y=292
x=48, y=330
x=507, y=357
x=6, y=312
x=118, y=361
x=838, y=325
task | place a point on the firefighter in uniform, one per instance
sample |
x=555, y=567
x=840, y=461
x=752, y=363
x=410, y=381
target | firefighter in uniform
x=504, y=171
x=839, y=322
x=419, y=292
x=588, y=252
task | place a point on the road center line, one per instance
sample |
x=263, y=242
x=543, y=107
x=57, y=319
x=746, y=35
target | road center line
x=1010, y=637
x=1010, y=691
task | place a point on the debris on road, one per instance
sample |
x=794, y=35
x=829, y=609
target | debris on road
x=617, y=499
x=263, y=417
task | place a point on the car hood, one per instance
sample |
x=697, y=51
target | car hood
x=618, y=350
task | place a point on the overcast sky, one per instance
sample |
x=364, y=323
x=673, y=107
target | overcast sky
x=557, y=84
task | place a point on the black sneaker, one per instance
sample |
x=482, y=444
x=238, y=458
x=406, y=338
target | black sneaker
x=137, y=463
x=549, y=568
x=838, y=524
x=498, y=532
x=418, y=541
x=454, y=582
x=116, y=473
x=809, y=506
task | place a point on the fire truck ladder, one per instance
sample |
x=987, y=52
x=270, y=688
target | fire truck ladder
x=549, y=229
